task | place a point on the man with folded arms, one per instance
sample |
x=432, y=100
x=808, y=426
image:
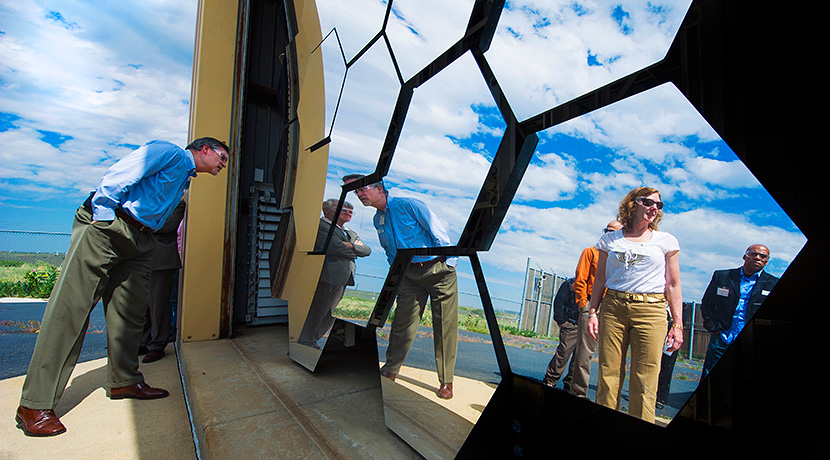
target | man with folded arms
x=337, y=273
x=111, y=256
x=409, y=223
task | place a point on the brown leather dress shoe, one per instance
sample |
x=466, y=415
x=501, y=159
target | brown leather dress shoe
x=39, y=422
x=153, y=355
x=138, y=391
x=388, y=375
x=445, y=392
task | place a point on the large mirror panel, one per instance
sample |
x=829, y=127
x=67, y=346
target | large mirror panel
x=571, y=191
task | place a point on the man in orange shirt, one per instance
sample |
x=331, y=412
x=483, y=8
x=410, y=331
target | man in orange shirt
x=586, y=268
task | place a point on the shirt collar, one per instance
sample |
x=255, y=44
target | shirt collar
x=754, y=276
x=191, y=163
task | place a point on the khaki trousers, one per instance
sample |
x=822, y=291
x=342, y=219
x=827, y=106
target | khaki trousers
x=638, y=320
x=583, y=352
x=437, y=282
x=105, y=259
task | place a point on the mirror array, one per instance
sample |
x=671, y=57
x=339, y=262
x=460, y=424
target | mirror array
x=530, y=191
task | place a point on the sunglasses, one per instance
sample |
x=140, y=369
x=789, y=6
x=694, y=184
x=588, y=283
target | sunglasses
x=752, y=254
x=648, y=202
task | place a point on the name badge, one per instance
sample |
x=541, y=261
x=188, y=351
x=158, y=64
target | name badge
x=764, y=292
x=723, y=292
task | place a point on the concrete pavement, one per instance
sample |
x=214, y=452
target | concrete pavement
x=247, y=398
x=100, y=428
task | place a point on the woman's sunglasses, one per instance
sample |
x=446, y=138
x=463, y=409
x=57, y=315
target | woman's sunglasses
x=648, y=202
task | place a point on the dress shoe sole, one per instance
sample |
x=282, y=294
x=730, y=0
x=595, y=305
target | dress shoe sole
x=128, y=396
x=22, y=426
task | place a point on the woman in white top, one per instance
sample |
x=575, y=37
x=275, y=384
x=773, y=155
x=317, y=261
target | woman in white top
x=639, y=267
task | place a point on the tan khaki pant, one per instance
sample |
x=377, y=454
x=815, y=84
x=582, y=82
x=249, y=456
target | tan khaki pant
x=437, y=282
x=642, y=324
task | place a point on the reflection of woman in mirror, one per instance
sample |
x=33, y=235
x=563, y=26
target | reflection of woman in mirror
x=639, y=267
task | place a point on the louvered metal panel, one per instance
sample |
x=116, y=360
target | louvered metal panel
x=264, y=221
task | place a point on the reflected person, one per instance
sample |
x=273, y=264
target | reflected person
x=586, y=346
x=566, y=316
x=731, y=299
x=409, y=223
x=338, y=270
x=639, y=266
x=111, y=251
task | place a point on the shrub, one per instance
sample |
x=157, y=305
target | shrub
x=37, y=283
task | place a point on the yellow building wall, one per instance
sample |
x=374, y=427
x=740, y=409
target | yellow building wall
x=203, y=274
x=205, y=277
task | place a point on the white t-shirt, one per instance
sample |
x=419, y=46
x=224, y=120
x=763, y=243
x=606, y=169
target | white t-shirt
x=637, y=267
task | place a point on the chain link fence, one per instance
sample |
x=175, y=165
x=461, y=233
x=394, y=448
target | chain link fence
x=33, y=248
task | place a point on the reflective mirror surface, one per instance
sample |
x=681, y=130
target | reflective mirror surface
x=580, y=169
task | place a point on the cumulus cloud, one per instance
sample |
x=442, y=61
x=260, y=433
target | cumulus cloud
x=82, y=84
x=103, y=80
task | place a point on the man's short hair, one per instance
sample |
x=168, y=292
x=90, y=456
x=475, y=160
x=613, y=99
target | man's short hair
x=353, y=177
x=215, y=144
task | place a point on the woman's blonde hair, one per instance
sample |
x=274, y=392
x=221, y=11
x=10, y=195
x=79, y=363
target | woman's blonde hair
x=625, y=213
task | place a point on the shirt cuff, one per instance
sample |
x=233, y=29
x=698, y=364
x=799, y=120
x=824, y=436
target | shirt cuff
x=102, y=213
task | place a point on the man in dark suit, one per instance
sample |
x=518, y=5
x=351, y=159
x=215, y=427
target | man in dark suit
x=338, y=271
x=731, y=300
x=566, y=315
x=165, y=263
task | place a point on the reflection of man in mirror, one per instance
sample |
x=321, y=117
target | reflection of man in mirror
x=566, y=316
x=732, y=298
x=338, y=271
x=409, y=223
x=586, y=269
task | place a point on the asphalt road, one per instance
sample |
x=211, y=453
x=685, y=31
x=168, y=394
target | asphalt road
x=477, y=360
x=16, y=346
x=476, y=356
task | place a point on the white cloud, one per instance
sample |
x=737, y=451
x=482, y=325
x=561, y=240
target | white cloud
x=103, y=77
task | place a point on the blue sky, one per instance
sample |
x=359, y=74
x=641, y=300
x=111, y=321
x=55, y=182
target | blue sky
x=82, y=83
x=544, y=53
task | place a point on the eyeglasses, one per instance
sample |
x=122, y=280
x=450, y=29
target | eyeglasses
x=761, y=255
x=362, y=189
x=222, y=156
x=648, y=202
x=607, y=230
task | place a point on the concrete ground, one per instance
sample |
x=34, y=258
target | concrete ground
x=248, y=399
x=99, y=428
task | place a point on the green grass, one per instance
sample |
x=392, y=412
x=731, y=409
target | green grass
x=359, y=305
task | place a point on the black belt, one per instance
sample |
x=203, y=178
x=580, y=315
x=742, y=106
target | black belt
x=429, y=262
x=120, y=212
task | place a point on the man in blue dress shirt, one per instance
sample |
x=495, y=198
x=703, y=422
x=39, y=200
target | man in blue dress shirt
x=111, y=255
x=409, y=223
x=731, y=300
